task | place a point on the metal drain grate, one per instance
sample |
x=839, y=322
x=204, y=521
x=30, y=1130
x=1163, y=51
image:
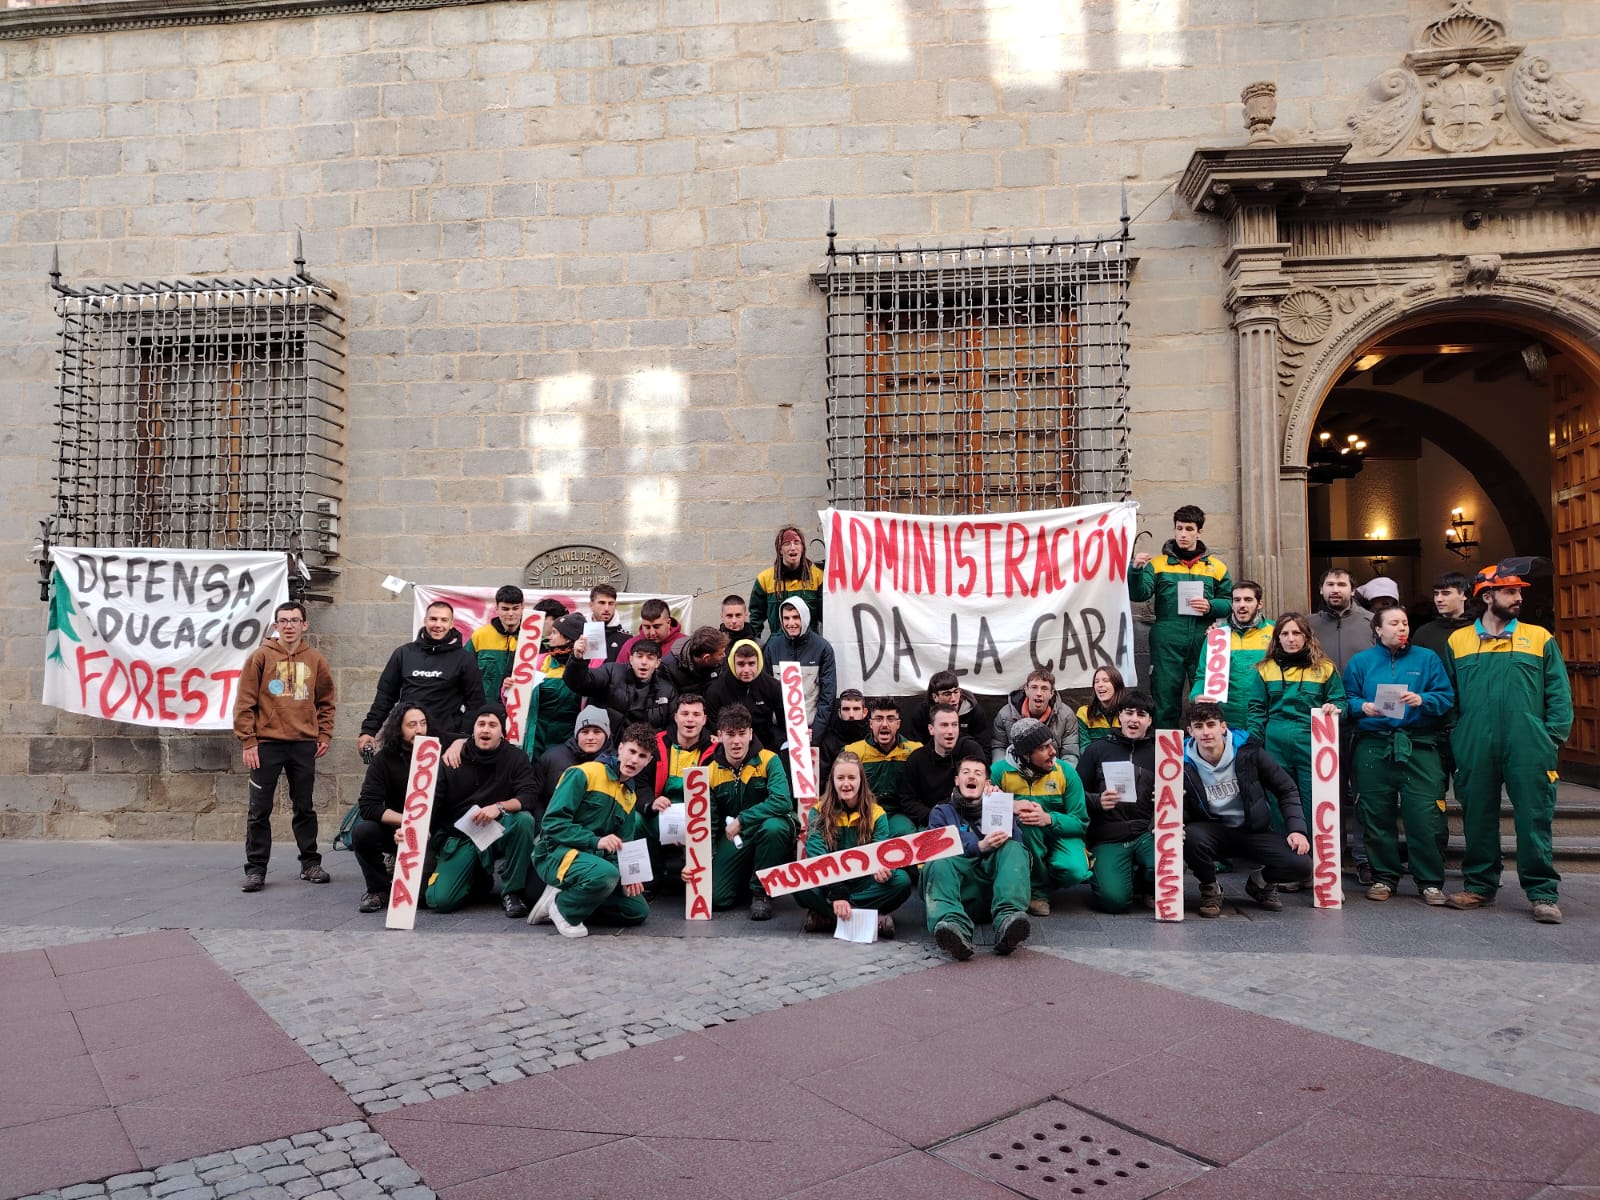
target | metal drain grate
x=1054, y=1151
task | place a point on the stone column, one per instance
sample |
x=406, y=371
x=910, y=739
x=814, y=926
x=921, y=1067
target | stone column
x=1256, y=321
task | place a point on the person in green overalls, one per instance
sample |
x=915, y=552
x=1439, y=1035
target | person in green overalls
x=1249, y=635
x=1299, y=679
x=988, y=880
x=1515, y=712
x=1050, y=814
x=1399, y=779
x=1191, y=588
x=845, y=817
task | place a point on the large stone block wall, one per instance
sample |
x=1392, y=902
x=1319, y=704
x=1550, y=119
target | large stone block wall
x=573, y=244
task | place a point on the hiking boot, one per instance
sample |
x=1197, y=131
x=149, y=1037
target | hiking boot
x=1380, y=891
x=1546, y=913
x=1263, y=893
x=1467, y=901
x=1011, y=934
x=1039, y=907
x=815, y=922
x=543, y=906
x=761, y=907
x=315, y=874
x=373, y=902
x=952, y=941
x=1433, y=896
x=1299, y=885
x=254, y=881
x=514, y=905
x=886, y=928
x=1210, y=900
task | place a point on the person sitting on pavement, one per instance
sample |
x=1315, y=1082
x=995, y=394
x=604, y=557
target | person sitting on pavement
x=845, y=817
x=1098, y=718
x=988, y=881
x=1398, y=775
x=496, y=779
x=590, y=739
x=1051, y=816
x=1249, y=639
x=847, y=724
x=494, y=644
x=945, y=688
x=1036, y=698
x=1120, y=838
x=1227, y=779
x=382, y=802
x=930, y=772
x=883, y=754
x=593, y=812
x=747, y=682
x=697, y=661
x=634, y=690
x=754, y=825
x=796, y=641
x=435, y=672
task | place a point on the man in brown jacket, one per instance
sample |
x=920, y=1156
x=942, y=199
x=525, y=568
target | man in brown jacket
x=284, y=720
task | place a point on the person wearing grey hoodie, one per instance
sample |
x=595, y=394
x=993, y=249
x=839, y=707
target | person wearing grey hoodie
x=1343, y=627
x=797, y=642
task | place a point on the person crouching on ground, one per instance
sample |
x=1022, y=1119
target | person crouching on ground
x=1051, y=816
x=1227, y=776
x=848, y=816
x=382, y=802
x=988, y=881
x=1120, y=837
x=594, y=810
x=753, y=821
x=497, y=779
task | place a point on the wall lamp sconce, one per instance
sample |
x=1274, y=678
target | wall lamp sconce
x=1380, y=561
x=1458, y=538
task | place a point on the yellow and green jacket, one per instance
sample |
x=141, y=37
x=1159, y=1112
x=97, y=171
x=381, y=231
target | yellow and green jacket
x=1091, y=729
x=883, y=768
x=847, y=831
x=767, y=596
x=1058, y=791
x=1159, y=578
x=1507, y=686
x=555, y=707
x=757, y=791
x=1293, y=694
x=590, y=802
x=495, y=649
x=1246, y=707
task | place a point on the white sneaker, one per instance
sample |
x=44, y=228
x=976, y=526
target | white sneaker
x=565, y=927
x=544, y=907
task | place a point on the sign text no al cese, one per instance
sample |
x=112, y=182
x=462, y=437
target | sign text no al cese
x=990, y=597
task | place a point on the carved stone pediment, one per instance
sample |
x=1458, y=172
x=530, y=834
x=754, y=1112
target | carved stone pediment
x=1464, y=89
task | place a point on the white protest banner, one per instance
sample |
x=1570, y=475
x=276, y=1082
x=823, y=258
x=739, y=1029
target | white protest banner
x=524, y=676
x=797, y=733
x=988, y=597
x=157, y=637
x=475, y=605
x=1219, y=661
x=1327, y=887
x=413, y=845
x=1169, y=825
x=697, y=844
x=913, y=850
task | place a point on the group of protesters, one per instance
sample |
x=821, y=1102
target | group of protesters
x=613, y=727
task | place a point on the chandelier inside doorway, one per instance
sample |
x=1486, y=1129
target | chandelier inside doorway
x=1329, y=459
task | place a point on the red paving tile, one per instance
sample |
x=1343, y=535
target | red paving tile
x=785, y=1040
x=133, y=981
x=454, y=1152
x=1232, y=1183
x=625, y=1168
x=62, y=1081
x=25, y=966
x=540, y=1102
x=156, y=1068
x=26, y=1113
x=754, y=1170
x=785, y=1113
x=912, y=1176
x=637, y=1086
x=42, y=1036
x=155, y=1018
x=31, y=998
x=122, y=951
x=45, y=1154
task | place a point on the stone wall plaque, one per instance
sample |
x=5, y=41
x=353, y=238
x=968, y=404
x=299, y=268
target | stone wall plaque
x=575, y=568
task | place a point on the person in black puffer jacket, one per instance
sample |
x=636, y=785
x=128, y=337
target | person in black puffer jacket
x=634, y=691
x=1120, y=827
x=436, y=672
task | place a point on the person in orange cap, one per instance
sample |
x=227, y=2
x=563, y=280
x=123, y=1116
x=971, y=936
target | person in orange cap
x=1515, y=707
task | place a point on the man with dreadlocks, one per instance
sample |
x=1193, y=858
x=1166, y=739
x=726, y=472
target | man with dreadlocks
x=791, y=576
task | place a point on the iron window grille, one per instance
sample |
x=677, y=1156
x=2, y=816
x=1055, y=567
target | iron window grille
x=204, y=414
x=978, y=379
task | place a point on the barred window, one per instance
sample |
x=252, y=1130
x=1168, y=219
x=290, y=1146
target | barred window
x=201, y=415
x=978, y=379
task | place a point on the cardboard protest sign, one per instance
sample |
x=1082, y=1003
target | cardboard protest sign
x=158, y=637
x=1169, y=825
x=913, y=850
x=412, y=848
x=1218, y=662
x=1327, y=884
x=697, y=844
x=524, y=678
x=797, y=734
x=989, y=597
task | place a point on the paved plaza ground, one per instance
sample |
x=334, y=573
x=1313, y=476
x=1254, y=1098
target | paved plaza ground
x=168, y=1036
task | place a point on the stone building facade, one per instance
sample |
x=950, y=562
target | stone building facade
x=573, y=247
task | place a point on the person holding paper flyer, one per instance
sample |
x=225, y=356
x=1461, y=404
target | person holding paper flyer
x=753, y=822
x=848, y=816
x=791, y=574
x=1299, y=680
x=1097, y=718
x=1514, y=702
x=883, y=754
x=1119, y=779
x=1249, y=637
x=603, y=608
x=1037, y=698
x=1191, y=588
x=494, y=645
x=747, y=682
x=382, y=802
x=1051, y=816
x=796, y=641
x=592, y=813
x=493, y=785
x=689, y=745
x=1227, y=779
x=989, y=880
x=1400, y=697
x=634, y=691
x=283, y=718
